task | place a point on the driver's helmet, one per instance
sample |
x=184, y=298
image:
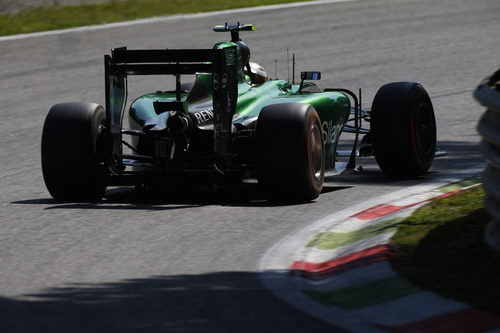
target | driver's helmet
x=244, y=52
x=258, y=74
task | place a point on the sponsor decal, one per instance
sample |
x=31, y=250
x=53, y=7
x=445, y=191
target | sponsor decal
x=204, y=116
x=331, y=131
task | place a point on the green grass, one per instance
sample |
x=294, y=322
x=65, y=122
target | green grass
x=60, y=17
x=364, y=295
x=440, y=248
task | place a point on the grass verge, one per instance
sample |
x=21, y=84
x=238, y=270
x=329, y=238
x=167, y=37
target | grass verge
x=440, y=248
x=61, y=17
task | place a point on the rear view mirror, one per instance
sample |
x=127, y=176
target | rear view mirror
x=310, y=75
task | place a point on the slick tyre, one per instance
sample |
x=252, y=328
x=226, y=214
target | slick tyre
x=403, y=127
x=290, y=152
x=70, y=153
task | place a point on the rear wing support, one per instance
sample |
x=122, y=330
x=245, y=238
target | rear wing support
x=221, y=63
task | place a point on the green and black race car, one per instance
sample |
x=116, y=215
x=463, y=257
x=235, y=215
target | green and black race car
x=232, y=123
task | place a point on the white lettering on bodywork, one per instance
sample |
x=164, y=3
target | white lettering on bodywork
x=204, y=116
x=331, y=131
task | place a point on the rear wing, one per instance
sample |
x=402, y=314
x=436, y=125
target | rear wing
x=221, y=63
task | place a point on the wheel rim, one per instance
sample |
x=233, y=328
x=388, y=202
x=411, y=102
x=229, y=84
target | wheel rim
x=316, y=152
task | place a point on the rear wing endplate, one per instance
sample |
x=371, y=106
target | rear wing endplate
x=221, y=63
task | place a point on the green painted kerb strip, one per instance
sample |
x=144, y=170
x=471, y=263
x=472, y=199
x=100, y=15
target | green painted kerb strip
x=364, y=295
x=333, y=240
x=460, y=184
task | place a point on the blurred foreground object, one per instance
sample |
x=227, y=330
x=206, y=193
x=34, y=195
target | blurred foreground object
x=488, y=94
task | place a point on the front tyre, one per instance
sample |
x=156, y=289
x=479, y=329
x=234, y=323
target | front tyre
x=290, y=151
x=70, y=156
x=403, y=127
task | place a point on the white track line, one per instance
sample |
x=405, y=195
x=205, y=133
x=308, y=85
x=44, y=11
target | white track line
x=171, y=18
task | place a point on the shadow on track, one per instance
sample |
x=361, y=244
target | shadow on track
x=213, y=302
x=122, y=198
x=461, y=156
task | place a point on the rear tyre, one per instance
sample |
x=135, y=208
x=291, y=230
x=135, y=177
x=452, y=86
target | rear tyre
x=403, y=127
x=290, y=151
x=70, y=151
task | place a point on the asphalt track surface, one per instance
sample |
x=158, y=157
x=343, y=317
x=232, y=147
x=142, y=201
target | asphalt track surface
x=190, y=263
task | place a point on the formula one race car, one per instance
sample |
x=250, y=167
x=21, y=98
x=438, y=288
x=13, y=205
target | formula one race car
x=233, y=122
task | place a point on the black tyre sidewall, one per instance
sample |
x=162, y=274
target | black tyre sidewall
x=398, y=111
x=284, y=164
x=69, y=151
